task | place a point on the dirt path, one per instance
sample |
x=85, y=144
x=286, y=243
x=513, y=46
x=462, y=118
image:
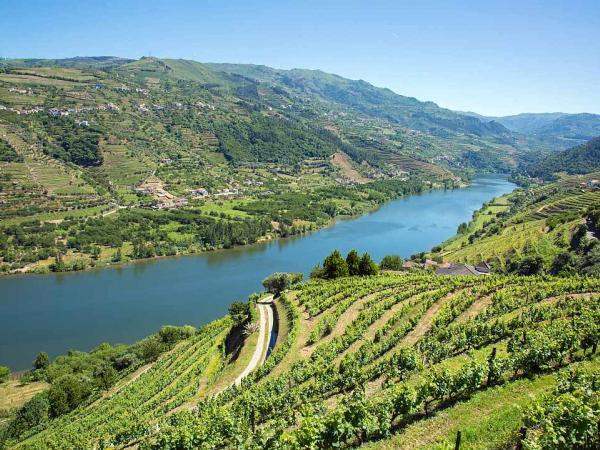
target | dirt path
x=426, y=321
x=265, y=309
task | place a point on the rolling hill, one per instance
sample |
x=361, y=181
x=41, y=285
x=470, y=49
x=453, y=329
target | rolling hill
x=237, y=147
x=582, y=159
x=545, y=228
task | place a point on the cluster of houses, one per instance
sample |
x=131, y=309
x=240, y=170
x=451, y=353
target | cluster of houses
x=25, y=112
x=141, y=107
x=223, y=193
x=20, y=91
x=57, y=112
x=226, y=193
x=591, y=184
x=200, y=104
x=164, y=199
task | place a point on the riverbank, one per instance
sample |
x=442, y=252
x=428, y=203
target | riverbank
x=57, y=312
x=73, y=261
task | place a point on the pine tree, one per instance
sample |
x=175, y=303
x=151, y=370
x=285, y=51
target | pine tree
x=367, y=266
x=353, y=261
x=335, y=266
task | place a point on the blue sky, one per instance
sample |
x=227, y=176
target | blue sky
x=492, y=57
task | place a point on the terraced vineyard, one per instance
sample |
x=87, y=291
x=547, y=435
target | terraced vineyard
x=140, y=401
x=541, y=217
x=388, y=361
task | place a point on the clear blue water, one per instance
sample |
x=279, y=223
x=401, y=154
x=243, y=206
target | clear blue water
x=58, y=312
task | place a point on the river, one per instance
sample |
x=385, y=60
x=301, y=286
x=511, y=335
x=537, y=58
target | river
x=58, y=312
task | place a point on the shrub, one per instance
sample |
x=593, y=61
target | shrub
x=391, y=262
x=280, y=281
x=4, y=374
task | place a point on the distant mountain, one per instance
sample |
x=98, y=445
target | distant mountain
x=528, y=122
x=371, y=100
x=555, y=131
x=582, y=159
x=77, y=62
x=261, y=114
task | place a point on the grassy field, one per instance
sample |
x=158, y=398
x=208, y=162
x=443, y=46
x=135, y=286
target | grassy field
x=14, y=394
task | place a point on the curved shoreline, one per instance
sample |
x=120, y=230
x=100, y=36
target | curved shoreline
x=264, y=240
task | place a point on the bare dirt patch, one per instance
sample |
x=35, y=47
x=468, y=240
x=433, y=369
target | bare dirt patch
x=342, y=162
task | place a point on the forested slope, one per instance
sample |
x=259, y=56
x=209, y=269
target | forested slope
x=582, y=159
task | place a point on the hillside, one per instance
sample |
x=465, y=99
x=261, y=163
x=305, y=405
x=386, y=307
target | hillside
x=386, y=361
x=556, y=131
x=106, y=159
x=582, y=159
x=547, y=228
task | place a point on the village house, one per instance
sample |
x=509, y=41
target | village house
x=200, y=192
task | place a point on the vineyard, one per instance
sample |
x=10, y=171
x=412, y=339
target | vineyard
x=165, y=386
x=538, y=217
x=387, y=361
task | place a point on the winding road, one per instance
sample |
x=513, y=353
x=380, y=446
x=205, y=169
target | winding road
x=265, y=308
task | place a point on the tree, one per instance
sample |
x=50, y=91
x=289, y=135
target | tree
x=335, y=266
x=4, y=374
x=317, y=272
x=105, y=376
x=280, y=281
x=578, y=240
x=530, y=265
x=170, y=334
x=564, y=264
x=367, y=266
x=67, y=393
x=118, y=256
x=34, y=412
x=353, y=261
x=149, y=349
x=391, y=262
x=42, y=361
x=239, y=312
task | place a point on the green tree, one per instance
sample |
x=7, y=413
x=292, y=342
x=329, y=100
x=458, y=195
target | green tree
x=239, y=312
x=335, y=266
x=33, y=413
x=317, y=272
x=67, y=393
x=42, y=361
x=105, y=376
x=391, y=262
x=278, y=282
x=118, y=256
x=565, y=263
x=367, y=266
x=353, y=261
x=4, y=374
